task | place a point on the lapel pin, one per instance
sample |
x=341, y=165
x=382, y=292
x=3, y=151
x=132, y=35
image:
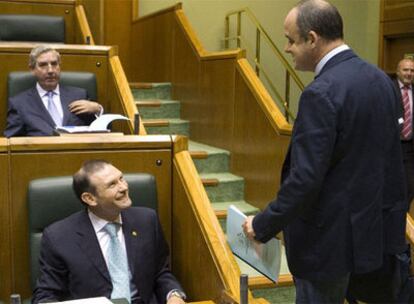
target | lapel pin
x=134, y=233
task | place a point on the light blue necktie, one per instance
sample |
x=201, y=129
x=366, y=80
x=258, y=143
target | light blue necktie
x=117, y=265
x=53, y=111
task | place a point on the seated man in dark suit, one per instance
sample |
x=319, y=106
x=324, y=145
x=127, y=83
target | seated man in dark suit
x=37, y=111
x=110, y=249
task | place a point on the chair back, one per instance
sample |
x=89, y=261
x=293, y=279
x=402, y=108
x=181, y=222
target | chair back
x=52, y=199
x=20, y=81
x=36, y=28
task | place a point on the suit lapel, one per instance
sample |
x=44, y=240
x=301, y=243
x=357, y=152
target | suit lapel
x=65, y=101
x=39, y=107
x=89, y=245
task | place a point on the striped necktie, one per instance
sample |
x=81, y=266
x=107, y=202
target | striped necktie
x=53, y=111
x=117, y=265
x=407, y=129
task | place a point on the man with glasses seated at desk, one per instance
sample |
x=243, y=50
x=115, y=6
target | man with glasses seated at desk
x=37, y=111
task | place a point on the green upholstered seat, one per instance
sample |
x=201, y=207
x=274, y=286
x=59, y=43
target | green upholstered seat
x=52, y=199
x=38, y=28
x=20, y=81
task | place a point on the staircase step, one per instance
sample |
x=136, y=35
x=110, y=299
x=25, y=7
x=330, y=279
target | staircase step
x=230, y=187
x=166, y=126
x=220, y=208
x=217, y=160
x=151, y=90
x=157, y=108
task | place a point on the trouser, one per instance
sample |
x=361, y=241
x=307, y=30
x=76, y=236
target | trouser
x=321, y=291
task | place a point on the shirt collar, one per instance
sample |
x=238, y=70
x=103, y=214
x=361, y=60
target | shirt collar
x=328, y=56
x=99, y=223
x=43, y=92
x=401, y=85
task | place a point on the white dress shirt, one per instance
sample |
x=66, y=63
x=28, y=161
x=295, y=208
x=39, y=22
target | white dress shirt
x=328, y=56
x=56, y=98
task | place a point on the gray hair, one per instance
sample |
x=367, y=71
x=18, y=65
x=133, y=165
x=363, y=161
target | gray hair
x=39, y=50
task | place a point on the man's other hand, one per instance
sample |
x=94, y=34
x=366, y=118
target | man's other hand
x=248, y=228
x=175, y=300
x=83, y=106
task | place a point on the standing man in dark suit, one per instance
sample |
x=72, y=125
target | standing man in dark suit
x=37, y=111
x=341, y=180
x=404, y=85
x=110, y=249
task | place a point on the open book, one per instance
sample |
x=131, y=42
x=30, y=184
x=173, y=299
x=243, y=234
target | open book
x=265, y=258
x=99, y=125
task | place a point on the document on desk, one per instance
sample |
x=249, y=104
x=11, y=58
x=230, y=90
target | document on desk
x=98, y=300
x=265, y=258
x=99, y=125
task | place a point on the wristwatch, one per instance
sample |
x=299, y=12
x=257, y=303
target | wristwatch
x=177, y=293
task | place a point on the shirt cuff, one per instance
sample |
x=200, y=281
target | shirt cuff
x=179, y=292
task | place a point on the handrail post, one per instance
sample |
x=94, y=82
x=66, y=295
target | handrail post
x=227, y=33
x=287, y=94
x=257, y=51
x=238, y=29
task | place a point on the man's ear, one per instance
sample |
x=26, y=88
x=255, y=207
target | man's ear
x=88, y=198
x=313, y=38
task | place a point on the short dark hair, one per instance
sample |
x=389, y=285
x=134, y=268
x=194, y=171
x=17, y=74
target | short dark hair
x=321, y=17
x=81, y=181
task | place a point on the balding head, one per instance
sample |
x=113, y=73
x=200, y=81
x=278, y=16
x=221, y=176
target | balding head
x=405, y=71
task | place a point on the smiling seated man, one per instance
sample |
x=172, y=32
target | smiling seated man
x=37, y=111
x=98, y=252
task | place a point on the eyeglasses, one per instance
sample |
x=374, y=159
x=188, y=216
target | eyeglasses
x=45, y=65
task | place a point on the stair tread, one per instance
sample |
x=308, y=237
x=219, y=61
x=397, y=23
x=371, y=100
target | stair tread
x=161, y=101
x=170, y=120
x=196, y=146
x=244, y=206
x=222, y=176
x=148, y=85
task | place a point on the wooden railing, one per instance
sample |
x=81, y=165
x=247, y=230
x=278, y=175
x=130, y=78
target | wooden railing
x=262, y=37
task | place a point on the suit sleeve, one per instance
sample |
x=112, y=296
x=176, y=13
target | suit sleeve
x=52, y=282
x=312, y=144
x=14, y=125
x=164, y=279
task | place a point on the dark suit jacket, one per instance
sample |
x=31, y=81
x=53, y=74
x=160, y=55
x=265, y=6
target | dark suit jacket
x=342, y=177
x=72, y=265
x=27, y=115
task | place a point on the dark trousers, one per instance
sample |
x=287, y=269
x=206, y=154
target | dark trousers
x=328, y=291
x=389, y=284
x=408, y=160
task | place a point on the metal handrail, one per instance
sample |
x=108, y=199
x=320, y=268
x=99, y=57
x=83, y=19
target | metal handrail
x=260, y=32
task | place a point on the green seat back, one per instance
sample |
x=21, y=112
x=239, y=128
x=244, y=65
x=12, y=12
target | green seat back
x=20, y=81
x=52, y=199
x=37, y=28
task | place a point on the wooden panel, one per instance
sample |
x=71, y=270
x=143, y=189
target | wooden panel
x=151, y=54
x=398, y=10
x=5, y=248
x=53, y=8
x=29, y=165
x=395, y=51
x=258, y=151
x=94, y=11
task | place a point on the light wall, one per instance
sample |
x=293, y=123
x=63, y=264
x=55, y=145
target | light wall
x=361, y=22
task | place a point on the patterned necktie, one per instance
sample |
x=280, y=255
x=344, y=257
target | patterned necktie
x=406, y=131
x=53, y=111
x=117, y=265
